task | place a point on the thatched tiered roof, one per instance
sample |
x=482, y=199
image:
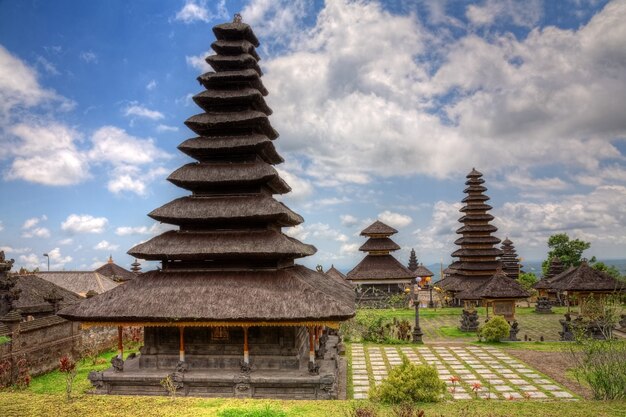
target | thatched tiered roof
x=510, y=260
x=500, y=286
x=379, y=266
x=422, y=271
x=477, y=253
x=556, y=268
x=412, y=266
x=115, y=272
x=586, y=279
x=229, y=260
x=79, y=282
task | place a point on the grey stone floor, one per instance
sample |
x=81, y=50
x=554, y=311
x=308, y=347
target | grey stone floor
x=469, y=371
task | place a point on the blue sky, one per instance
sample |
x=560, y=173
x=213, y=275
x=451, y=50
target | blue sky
x=382, y=107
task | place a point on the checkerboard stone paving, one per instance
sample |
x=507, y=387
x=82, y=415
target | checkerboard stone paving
x=499, y=375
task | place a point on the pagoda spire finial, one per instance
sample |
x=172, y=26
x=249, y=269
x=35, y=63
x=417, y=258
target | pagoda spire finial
x=237, y=18
x=110, y=259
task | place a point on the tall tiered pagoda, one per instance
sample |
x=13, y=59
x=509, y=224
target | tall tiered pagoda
x=229, y=313
x=412, y=266
x=379, y=272
x=510, y=261
x=478, y=254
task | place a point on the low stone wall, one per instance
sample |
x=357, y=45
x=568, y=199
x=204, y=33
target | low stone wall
x=42, y=342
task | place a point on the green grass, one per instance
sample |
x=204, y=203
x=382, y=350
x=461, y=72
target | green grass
x=54, y=382
x=4, y=339
x=453, y=331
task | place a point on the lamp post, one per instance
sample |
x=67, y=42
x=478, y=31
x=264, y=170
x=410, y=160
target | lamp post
x=47, y=256
x=417, y=330
x=431, y=304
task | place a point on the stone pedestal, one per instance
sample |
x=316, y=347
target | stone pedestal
x=469, y=321
x=543, y=306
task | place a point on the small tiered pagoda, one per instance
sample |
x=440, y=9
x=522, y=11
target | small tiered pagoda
x=510, y=261
x=412, y=266
x=379, y=273
x=228, y=313
x=478, y=254
x=115, y=272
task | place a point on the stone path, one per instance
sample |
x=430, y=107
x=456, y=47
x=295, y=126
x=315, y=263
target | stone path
x=469, y=371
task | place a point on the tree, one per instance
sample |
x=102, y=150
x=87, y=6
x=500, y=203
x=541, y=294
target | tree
x=569, y=250
x=527, y=280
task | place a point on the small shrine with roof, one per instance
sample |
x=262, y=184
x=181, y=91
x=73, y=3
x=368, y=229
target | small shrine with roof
x=380, y=273
x=229, y=313
x=510, y=261
x=548, y=296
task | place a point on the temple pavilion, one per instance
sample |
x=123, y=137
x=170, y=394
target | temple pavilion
x=379, y=273
x=510, y=261
x=477, y=254
x=228, y=313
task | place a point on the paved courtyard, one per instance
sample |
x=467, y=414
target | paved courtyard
x=500, y=376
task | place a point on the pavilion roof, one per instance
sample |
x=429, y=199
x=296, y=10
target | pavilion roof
x=378, y=228
x=33, y=293
x=381, y=267
x=586, y=279
x=290, y=294
x=422, y=271
x=115, y=272
x=501, y=286
x=79, y=282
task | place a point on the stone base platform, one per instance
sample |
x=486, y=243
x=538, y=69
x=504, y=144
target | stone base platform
x=265, y=383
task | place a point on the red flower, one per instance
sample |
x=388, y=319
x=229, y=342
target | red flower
x=66, y=365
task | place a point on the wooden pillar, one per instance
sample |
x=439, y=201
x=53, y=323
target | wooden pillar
x=181, y=347
x=120, y=345
x=246, y=354
x=317, y=337
x=311, y=344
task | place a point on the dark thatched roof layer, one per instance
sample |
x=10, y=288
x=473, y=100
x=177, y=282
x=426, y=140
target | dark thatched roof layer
x=192, y=245
x=236, y=47
x=35, y=290
x=556, y=268
x=290, y=294
x=233, y=62
x=233, y=79
x=476, y=217
x=469, y=228
x=205, y=149
x=510, y=260
x=476, y=207
x=379, y=244
x=476, y=252
x=422, y=271
x=217, y=210
x=207, y=176
x=501, y=286
x=217, y=124
x=235, y=31
x=212, y=100
x=79, y=282
x=115, y=272
x=586, y=279
x=378, y=228
x=383, y=267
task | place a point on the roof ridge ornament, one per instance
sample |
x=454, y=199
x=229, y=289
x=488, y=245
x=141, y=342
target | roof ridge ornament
x=237, y=18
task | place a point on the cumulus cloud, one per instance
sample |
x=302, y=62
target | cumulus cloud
x=104, y=245
x=395, y=219
x=348, y=220
x=40, y=232
x=9, y=249
x=84, y=223
x=151, y=85
x=135, y=109
x=525, y=14
x=1, y=226
x=57, y=260
x=165, y=128
x=197, y=11
x=154, y=229
x=198, y=62
x=29, y=223
x=551, y=98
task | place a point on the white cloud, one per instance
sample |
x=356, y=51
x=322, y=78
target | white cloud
x=114, y=145
x=57, y=260
x=151, y=85
x=395, y=219
x=67, y=241
x=89, y=57
x=1, y=226
x=297, y=232
x=301, y=188
x=154, y=229
x=276, y=20
x=439, y=236
x=30, y=261
x=29, y=223
x=166, y=128
x=47, y=65
x=17, y=251
x=135, y=109
x=104, y=245
x=40, y=232
x=199, y=62
x=525, y=14
x=84, y=223
x=19, y=87
x=349, y=248
x=348, y=220
x=46, y=154
x=193, y=11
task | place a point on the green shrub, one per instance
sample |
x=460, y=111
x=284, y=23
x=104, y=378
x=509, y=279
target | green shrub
x=409, y=383
x=602, y=365
x=496, y=329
